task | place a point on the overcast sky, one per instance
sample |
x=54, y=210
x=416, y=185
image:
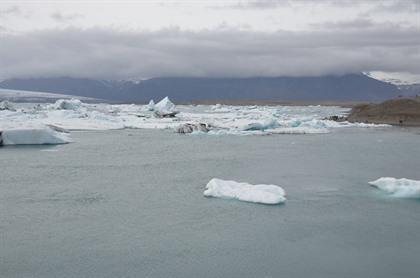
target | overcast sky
x=143, y=39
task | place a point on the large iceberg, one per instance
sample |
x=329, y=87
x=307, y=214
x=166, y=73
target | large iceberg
x=34, y=136
x=403, y=188
x=259, y=193
x=165, y=105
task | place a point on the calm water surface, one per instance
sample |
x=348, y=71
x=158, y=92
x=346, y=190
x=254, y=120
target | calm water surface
x=129, y=203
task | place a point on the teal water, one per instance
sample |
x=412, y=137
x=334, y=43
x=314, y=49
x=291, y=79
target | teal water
x=129, y=203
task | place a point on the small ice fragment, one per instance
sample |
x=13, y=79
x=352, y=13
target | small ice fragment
x=259, y=193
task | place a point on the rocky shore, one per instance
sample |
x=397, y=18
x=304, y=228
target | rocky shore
x=402, y=112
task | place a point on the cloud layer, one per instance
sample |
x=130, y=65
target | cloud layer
x=114, y=54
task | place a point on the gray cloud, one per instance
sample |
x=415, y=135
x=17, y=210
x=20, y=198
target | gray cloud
x=360, y=24
x=113, y=54
x=391, y=6
x=12, y=10
x=261, y=4
x=349, y=24
x=57, y=16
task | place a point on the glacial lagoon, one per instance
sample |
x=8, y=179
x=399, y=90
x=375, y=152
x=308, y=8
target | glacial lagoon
x=129, y=203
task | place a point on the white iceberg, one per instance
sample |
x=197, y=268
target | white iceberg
x=259, y=193
x=67, y=104
x=33, y=136
x=403, y=188
x=165, y=105
x=151, y=105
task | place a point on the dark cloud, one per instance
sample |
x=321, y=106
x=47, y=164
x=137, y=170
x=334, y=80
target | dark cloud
x=112, y=54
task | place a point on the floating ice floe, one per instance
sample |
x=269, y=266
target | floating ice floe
x=34, y=136
x=259, y=193
x=403, y=188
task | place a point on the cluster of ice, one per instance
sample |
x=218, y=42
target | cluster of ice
x=403, y=188
x=259, y=193
x=34, y=136
x=219, y=119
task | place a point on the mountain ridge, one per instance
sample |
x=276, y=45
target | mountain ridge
x=184, y=89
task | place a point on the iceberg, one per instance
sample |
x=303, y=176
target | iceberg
x=259, y=193
x=5, y=105
x=151, y=105
x=190, y=128
x=33, y=136
x=165, y=105
x=67, y=104
x=403, y=188
x=217, y=106
x=268, y=124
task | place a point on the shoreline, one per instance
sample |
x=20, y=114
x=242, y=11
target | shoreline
x=403, y=112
